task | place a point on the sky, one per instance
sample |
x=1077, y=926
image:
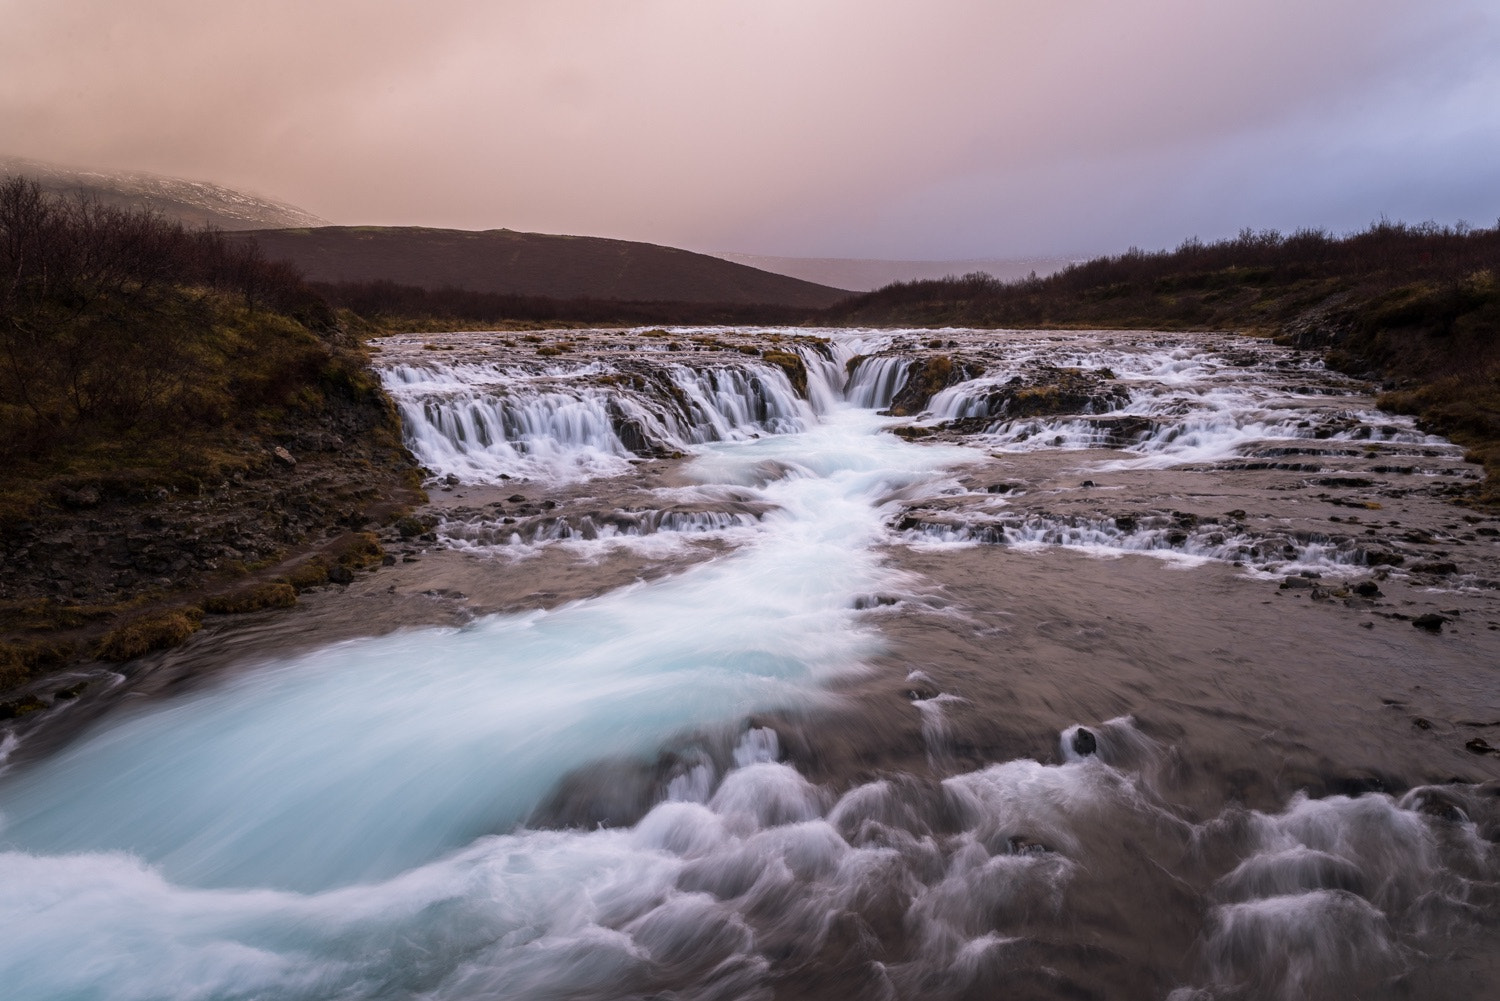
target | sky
x=911, y=130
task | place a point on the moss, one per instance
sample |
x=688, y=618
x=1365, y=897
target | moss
x=359, y=551
x=47, y=615
x=307, y=574
x=794, y=367
x=155, y=631
x=253, y=599
x=20, y=661
x=20, y=707
x=937, y=373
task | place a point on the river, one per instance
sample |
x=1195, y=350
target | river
x=1119, y=664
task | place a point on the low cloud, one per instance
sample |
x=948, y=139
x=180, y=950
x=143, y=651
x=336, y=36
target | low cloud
x=816, y=127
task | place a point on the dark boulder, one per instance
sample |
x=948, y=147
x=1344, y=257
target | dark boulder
x=1432, y=622
x=1084, y=742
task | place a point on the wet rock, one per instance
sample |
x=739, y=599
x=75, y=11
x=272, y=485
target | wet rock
x=21, y=707
x=934, y=375
x=920, y=690
x=340, y=575
x=1085, y=743
x=1432, y=622
x=1049, y=391
x=1026, y=846
x=1121, y=432
x=451, y=480
x=1478, y=745
x=865, y=601
x=1421, y=723
x=1437, y=803
x=1438, y=568
x=1367, y=589
x=1293, y=583
x=516, y=498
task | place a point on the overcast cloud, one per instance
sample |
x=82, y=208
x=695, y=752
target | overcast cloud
x=856, y=128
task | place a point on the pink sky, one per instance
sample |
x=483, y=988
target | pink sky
x=855, y=128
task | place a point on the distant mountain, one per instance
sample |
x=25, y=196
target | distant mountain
x=533, y=264
x=193, y=203
x=864, y=275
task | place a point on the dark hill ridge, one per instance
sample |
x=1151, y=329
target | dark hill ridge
x=532, y=264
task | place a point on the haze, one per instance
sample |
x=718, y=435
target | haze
x=838, y=128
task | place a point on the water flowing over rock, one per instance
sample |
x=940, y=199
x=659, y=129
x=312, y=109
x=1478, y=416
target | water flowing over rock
x=703, y=678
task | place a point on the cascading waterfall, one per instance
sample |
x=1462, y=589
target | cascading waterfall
x=876, y=380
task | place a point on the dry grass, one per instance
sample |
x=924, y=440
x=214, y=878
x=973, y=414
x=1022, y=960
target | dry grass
x=155, y=631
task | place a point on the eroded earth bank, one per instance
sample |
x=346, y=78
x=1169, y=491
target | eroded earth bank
x=786, y=663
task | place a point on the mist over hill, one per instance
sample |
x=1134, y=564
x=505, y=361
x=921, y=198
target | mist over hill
x=505, y=262
x=192, y=203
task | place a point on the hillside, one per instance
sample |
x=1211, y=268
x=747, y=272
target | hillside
x=192, y=203
x=532, y=264
x=184, y=429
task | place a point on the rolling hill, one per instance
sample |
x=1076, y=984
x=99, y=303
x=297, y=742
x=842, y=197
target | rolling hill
x=532, y=264
x=192, y=203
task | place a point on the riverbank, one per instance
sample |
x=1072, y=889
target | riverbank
x=113, y=556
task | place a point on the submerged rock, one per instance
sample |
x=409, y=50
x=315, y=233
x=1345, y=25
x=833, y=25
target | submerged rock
x=1085, y=743
x=1432, y=622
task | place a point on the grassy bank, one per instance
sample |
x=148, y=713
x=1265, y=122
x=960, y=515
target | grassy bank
x=181, y=423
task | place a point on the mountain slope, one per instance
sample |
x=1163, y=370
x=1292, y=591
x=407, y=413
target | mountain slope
x=193, y=203
x=533, y=264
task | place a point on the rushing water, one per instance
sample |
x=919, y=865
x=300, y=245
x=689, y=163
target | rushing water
x=598, y=800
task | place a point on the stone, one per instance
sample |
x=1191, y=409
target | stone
x=1084, y=742
x=1367, y=589
x=1432, y=622
x=284, y=457
x=340, y=575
